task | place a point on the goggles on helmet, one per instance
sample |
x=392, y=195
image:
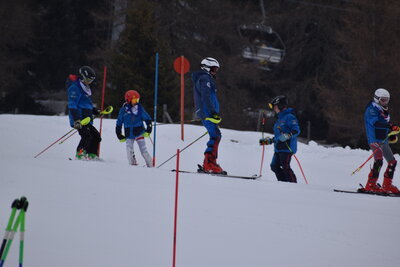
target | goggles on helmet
x=270, y=106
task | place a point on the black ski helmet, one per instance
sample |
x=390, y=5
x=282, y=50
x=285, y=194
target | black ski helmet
x=87, y=74
x=280, y=101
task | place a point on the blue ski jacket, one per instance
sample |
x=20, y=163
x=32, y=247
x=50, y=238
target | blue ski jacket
x=205, y=97
x=286, y=123
x=377, y=124
x=132, y=118
x=80, y=104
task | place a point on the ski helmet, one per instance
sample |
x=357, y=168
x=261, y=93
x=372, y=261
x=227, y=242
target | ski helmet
x=280, y=101
x=132, y=96
x=208, y=63
x=87, y=74
x=382, y=97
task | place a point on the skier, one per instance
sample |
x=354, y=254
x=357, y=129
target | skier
x=207, y=109
x=378, y=127
x=286, y=130
x=80, y=106
x=131, y=116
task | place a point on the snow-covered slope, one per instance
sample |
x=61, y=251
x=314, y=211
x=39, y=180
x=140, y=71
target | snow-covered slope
x=111, y=214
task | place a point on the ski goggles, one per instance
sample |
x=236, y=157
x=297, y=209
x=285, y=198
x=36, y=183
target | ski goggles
x=135, y=100
x=384, y=100
x=270, y=106
x=88, y=80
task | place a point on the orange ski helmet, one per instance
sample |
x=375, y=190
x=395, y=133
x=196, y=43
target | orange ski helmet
x=132, y=96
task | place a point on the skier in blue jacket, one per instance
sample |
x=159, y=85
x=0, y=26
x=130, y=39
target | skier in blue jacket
x=207, y=109
x=286, y=130
x=80, y=106
x=380, y=132
x=131, y=116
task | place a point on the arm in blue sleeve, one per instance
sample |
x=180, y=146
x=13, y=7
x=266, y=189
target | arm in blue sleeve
x=293, y=125
x=120, y=117
x=145, y=115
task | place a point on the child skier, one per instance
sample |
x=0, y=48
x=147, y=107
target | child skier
x=131, y=116
x=80, y=106
x=378, y=127
x=286, y=130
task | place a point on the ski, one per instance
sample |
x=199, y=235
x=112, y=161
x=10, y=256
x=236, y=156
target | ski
x=366, y=193
x=254, y=177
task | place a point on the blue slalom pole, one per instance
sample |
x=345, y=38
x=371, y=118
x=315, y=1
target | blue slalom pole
x=155, y=110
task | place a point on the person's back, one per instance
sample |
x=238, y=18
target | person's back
x=204, y=92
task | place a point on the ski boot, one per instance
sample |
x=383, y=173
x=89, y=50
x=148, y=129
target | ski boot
x=210, y=165
x=81, y=154
x=93, y=156
x=371, y=186
x=388, y=187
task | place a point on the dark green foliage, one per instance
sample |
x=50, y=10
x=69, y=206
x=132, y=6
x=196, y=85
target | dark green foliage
x=337, y=54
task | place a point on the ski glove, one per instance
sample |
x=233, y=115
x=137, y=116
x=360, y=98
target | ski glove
x=395, y=128
x=95, y=112
x=77, y=124
x=284, y=137
x=120, y=136
x=149, y=127
x=266, y=141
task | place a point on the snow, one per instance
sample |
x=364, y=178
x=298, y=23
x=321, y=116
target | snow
x=112, y=214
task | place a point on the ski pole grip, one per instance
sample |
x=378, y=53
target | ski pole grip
x=25, y=206
x=15, y=203
x=21, y=202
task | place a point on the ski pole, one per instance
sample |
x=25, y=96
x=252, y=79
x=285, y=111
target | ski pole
x=263, y=146
x=62, y=141
x=183, y=149
x=106, y=111
x=373, y=153
x=365, y=162
x=85, y=121
x=14, y=208
x=298, y=162
x=22, y=233
x=12, y=232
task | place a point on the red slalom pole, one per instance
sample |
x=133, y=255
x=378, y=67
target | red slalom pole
x=182, y=97
x=176, y=208
x=103, y=90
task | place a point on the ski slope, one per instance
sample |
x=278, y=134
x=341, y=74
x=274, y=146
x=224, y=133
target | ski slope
x=112, y=214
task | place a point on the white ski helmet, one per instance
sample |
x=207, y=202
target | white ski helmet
x=382, y=97
x=209, y=62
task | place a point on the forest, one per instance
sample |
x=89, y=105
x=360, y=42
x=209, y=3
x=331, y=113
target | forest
x=330, y=56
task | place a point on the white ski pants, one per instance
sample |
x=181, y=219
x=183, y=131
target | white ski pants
x=143, y=150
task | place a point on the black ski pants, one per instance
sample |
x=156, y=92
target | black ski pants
x=280, y=165
x=90, y=139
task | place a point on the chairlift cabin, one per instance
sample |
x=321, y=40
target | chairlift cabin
x=263, y=45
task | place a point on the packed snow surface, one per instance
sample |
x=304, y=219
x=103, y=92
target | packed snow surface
x=111, y=214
